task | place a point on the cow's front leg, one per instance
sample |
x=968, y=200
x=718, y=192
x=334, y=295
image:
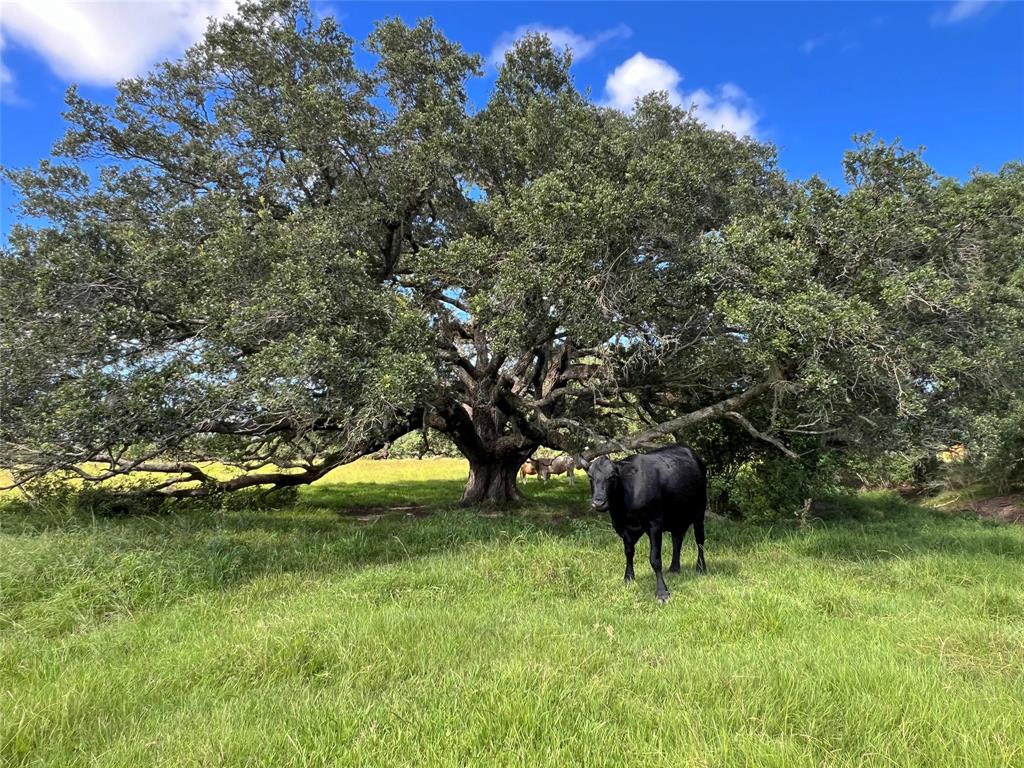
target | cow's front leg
x=629, y=545
x=661, y=591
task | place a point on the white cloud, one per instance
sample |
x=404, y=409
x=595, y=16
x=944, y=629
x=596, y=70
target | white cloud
x=101, y=41
x=727, y=108
x=961, y=11
x=639, y=75
x=561, y=37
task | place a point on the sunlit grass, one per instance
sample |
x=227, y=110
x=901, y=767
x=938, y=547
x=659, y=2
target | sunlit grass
x=362, y=471
x=375, y=623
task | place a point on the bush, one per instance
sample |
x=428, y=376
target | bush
x=258, y=498
x=886, y=469
x=61, y=494
x=767, y=489
x=416, y=445
x=995, y=450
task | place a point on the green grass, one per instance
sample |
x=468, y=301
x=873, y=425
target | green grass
x=886, y=635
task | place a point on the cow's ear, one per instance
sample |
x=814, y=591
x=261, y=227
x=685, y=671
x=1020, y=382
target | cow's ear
x=582, y=463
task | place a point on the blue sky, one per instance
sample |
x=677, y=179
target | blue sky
x=805, y=76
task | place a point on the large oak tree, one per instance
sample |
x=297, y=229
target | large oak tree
x=267, y=254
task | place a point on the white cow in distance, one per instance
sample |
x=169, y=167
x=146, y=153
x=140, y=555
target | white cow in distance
x=545, y=466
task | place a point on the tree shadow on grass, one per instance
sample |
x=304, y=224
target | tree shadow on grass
x=106, y=567
x=911, y=537
x=873, y=526
x=437, y=494
x=883, y=527
x=421, y=493
x=98, y=568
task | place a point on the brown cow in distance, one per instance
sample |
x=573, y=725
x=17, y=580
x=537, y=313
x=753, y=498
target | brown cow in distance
x=528, y=468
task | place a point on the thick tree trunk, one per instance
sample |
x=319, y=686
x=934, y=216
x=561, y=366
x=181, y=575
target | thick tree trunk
x=494, y=449
x=492, y=480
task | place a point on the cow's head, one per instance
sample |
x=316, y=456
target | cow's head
x=604, y=476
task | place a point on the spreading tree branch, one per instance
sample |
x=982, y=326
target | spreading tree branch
x=647, y=437
x=739, y=419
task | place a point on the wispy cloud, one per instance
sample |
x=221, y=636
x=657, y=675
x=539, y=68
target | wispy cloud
x=102, y=41
x=844, y=39
x=956, y=12
x=7, y=92
x=561, y=37
x=726, y=108
x=809, y=46
x=5, y=73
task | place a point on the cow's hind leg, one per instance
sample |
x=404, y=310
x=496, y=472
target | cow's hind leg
x=677, y=545
x=661, y=591
x=698, y=533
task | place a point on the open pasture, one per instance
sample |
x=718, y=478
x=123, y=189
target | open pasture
x=373, y=623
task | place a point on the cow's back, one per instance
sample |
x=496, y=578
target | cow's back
x=670, y=482
x=562, y=464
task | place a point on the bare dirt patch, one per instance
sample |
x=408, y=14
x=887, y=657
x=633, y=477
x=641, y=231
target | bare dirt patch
x=372, y=514
x=1009, y=508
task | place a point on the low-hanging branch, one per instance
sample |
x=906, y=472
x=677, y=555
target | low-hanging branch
x=743, y=422
x=208, y=484
x=648, y=437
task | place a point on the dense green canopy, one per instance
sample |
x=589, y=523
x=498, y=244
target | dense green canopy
x=288, y=259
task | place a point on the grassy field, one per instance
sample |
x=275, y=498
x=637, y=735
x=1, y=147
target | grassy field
x=372, y=623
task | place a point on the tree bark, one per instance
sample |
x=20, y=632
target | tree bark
x=495, y=451
x=492, y=480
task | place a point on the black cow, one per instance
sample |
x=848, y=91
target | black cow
x=665, y=490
